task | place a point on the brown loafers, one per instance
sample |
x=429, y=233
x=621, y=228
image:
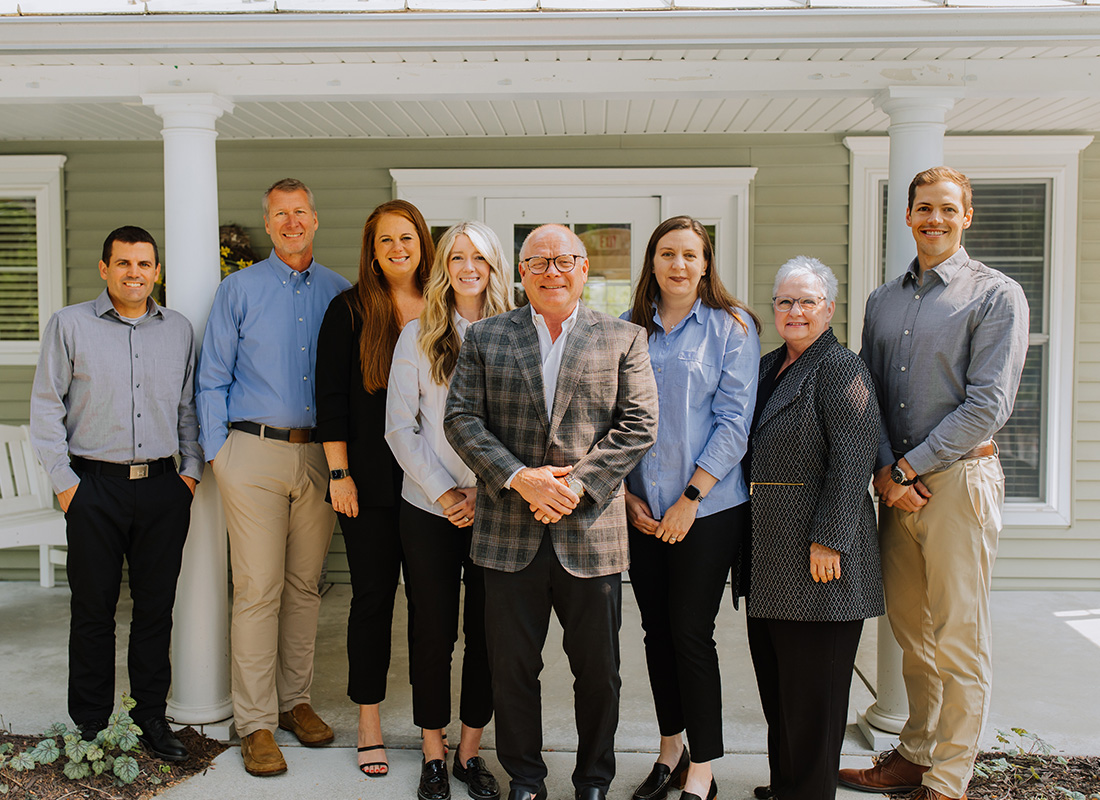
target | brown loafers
x=304, y=723
x=261, y=755
x=891, y=772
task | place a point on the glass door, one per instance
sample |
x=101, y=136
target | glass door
x=614, y=231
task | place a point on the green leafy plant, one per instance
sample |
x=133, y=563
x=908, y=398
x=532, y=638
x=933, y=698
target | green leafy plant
x=107, y=753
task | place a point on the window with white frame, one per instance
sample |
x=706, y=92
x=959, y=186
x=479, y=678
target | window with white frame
x=31, y=241
x=1025, y=201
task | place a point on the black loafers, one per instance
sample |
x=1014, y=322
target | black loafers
x=660, y=778
x=435, y=784
x=590, y=793
x=480, y=783
x=158, y=739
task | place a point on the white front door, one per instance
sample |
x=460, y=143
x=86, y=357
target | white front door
x=614, y=231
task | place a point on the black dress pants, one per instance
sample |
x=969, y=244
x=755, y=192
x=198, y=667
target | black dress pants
x=437, y=562
x=679, y=588
x=517, y=617
x=144, y=521
x=373, y=544
x=804, y=673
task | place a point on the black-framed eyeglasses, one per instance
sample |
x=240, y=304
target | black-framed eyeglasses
x=539, y=264
x=785, y=304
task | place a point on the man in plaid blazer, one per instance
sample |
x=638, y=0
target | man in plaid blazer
x=551, y=405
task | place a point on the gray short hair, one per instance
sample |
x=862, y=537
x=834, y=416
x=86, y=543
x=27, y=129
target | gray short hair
x=804, y=265
x=289, y=185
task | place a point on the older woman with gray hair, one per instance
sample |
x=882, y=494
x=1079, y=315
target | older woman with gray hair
x=815, y=572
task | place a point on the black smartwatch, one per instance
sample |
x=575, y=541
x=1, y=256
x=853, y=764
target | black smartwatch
x=693, y=493
x=897, y=475
x=338, y=474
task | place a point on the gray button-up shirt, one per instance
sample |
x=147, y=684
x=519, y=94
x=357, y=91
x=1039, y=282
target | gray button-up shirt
x=946, y=356
x=111, y=391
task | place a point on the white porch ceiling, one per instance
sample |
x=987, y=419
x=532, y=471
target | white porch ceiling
x=405, y=75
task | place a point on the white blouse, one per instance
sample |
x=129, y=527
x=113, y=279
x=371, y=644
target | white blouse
x=414, y=425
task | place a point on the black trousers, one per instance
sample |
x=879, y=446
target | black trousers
x=679, y=590
x=437, y=561
x=373, y=544
x=517, y=617
x=804, y=673
x=144, y=521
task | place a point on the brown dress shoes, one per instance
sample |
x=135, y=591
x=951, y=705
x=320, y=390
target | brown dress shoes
x=304, y=723
x=890, y=773
x=261, y=755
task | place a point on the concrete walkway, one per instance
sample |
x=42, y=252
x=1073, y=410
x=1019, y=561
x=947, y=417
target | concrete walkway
x=1047, y=662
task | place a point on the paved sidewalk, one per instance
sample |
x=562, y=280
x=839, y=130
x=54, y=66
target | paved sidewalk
x=1047, y=662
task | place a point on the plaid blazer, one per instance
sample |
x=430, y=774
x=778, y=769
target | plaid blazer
x=605, y=419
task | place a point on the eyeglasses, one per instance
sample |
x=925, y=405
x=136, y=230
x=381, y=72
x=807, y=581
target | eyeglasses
x=785, y=304
x=539, y=264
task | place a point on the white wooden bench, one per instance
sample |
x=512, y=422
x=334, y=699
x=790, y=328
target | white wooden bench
x=27, y=514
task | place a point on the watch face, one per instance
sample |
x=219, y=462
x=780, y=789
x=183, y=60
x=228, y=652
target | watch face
x=692, y=492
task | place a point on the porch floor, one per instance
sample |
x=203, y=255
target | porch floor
x=1047, y=668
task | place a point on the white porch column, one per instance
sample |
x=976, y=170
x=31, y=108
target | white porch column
x=917, y=127
x=200, y=634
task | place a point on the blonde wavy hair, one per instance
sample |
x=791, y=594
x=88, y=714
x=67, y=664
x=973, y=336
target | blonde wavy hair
x=439, y=339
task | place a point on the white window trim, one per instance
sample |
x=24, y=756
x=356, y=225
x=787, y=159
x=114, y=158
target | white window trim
x=40, y=178
x=1053, y=158
x=717, y=196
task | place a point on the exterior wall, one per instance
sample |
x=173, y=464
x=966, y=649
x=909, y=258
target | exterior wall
x=1069, y=558
x=800, y=206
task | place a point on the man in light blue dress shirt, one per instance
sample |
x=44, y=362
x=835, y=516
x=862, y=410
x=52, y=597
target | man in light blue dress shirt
x=257, y=411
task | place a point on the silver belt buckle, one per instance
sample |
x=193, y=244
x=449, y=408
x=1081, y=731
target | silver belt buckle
x=138, y=471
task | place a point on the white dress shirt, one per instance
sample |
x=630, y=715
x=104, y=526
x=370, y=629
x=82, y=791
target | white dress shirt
x=414, y=425
x=550, y=351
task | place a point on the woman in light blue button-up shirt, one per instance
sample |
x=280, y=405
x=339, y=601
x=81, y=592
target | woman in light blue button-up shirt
x=686, y=501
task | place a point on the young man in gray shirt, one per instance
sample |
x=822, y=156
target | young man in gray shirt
x=112, y=405
x=946, y=344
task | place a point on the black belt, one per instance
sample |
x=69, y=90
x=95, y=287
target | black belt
x=132, y=471
x=292, y=435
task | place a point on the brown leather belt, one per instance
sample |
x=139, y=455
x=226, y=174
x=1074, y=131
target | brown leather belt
x=981, y=451
x=292, y=435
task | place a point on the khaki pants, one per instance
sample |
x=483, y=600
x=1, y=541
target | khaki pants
x=280, y=528
x=936, y=568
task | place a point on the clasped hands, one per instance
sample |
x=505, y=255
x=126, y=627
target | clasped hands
x=546, y=491
x=671, y=528
x=907, y=498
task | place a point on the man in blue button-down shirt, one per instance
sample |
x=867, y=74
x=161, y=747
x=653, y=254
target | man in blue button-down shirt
x=256, y=413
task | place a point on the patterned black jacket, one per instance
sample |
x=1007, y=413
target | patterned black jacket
x=813, y=451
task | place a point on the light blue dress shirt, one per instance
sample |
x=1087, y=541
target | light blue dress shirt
x=260, y=349
x=706, y=370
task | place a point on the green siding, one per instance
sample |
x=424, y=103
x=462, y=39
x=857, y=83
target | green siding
x=799, y=206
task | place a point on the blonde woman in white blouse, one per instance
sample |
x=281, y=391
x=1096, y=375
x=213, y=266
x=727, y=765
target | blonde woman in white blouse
x=470, y=279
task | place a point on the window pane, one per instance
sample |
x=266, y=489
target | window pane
x=18, y=270
x=1020, y=440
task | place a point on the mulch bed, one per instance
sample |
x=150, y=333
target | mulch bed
x=1034, y=777
x=48, y=781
